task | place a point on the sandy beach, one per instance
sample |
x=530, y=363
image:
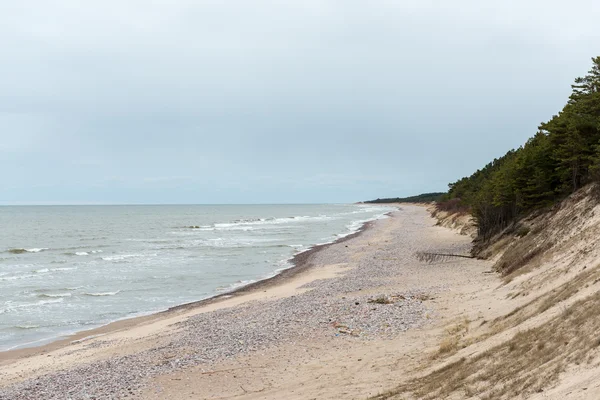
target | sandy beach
x=352, y=319
x=296, y=200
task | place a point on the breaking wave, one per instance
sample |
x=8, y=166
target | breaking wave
x=100, y=294
x=54, y=295
x=21, y=251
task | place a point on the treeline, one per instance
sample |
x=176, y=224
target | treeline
x=560, y=158
x=421, y=198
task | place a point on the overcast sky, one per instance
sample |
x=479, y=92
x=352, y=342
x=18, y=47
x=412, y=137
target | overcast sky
x=249, y=101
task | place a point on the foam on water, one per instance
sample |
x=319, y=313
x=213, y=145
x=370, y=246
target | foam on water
x=235, y=285
x=27, y=326
x=101, y=294
x=15, y=277
x=121, y=257
x=54, y=295
x=42, y=270
x=37, y=250
x=10, y=307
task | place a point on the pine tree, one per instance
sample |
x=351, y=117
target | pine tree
x=562, y=156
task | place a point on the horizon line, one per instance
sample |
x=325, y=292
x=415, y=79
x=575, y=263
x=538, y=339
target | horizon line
x=58, y=204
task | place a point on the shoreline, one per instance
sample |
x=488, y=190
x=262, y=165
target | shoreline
x=362, y=319
x=300, y=264
x=309, y=332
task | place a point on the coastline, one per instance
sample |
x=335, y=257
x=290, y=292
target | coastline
x=303, y=334
x=300, y=263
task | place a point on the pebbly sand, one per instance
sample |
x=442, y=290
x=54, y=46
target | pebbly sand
x=349, y=320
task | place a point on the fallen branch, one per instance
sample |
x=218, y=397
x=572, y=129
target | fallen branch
x=432, y=257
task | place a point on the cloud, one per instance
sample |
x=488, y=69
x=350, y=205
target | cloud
x=379, y=96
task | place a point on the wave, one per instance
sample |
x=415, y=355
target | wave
x=11, y=307
x=54, y=295
x=83, y=253
x=232, y=227
x=126, y=256
x=100, y=294
x=220, y=227
x=21, y=250
x=42, y=291
x=15, y=277
x=26, y=326
x=58, y=269
x=367, y=209
x=273, y=221
x=37, y=250
x=223, y=243
x=251, y=220
x=250, y=241
x=42, y=302
x=234, y=286
x=42, y=270
x=33, y=274
x=234, y=243
x=249, y=224
x=355, y=226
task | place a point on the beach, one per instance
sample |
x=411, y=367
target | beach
x=352, y=318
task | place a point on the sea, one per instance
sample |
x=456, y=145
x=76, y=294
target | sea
x=65, y=269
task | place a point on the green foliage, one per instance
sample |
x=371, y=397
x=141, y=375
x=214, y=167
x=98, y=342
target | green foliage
x=421, y=198
x=452, y=206
x=562, y=156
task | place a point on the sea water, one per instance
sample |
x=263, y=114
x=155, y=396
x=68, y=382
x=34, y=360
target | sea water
x=65, y=269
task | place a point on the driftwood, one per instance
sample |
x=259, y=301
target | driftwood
x=433, y=257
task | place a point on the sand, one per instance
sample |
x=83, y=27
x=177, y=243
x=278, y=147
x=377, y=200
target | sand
x=317, y=331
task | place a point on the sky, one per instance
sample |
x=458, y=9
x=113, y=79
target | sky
x=253, y=101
